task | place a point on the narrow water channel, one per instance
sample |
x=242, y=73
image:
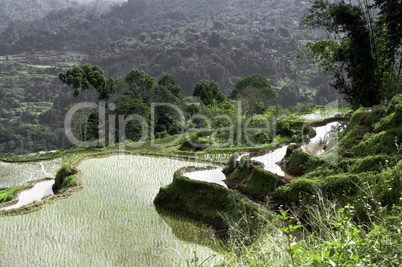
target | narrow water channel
x=271, y=159
x=215, y=176
x=34, y=194
x=317, y=145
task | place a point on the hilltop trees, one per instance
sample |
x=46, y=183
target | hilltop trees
x=140, y=84
x=255, y=93
x=169, y=81
x=208, y=92
x=139, y=101
x=85, y=76
x=360, y=49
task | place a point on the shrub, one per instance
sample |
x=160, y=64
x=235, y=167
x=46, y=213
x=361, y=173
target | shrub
x=261, y=138
x=64, y=178
x=283, y=128
x=42, y=148
x=298, y=190
x=261, y=183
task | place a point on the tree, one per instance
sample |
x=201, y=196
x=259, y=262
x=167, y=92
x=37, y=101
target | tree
x=127, y=105
x=360, y=49
x=254, y=101
x=192, y=109
x=79, y=122
x=390, y=16
x=141, y=84
x=208, y=92
x=167, y=118
x=169, y=81
x=85, y=76
x=255, y=92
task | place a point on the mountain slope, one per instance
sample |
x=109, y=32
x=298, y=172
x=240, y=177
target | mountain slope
x=194, y=40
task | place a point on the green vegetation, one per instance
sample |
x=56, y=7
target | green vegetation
x=337, y=239
x=19, y=10
x=85, y=76
x=7, y=194
x=179, y=66
x=261, y=183
x=176, y=37
x=208, y=92
x=339, y=208
x=361, y=44
x=65, y=178
x=31, y=100
x=368, y=182
x=255, y=92
x=210, y=203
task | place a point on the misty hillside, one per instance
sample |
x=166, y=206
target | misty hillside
x=193, y=40
x=22, y=10
x=17, y=10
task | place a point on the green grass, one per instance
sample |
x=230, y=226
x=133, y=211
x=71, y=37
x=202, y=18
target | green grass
x=208, y=203
x=261, y=183
x=7, y=194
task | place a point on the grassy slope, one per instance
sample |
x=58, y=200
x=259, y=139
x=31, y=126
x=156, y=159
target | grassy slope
x=7, y=194
x=367, y=154
x=209, y=203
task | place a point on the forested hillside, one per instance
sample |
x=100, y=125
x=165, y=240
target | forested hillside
x=21, y=10
x=193, y=40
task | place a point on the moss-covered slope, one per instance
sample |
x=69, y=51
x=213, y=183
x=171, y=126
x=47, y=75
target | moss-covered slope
x=367, y=169
x=362, y=165
x=210, y=203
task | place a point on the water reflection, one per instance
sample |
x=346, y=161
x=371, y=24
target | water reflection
x=317, y=145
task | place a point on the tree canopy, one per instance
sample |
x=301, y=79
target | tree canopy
x=254, y=91
x=208, y=92
x=169, y=81
x=85, y=76
x=360, y=49
x=254, y=80
x=141, y=84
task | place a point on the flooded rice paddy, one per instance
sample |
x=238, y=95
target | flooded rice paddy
x=111, y=222
x=16, y=174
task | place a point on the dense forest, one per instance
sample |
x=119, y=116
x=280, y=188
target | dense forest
x=18, y=10
x=193, y=40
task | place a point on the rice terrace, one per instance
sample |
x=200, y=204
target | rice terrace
x=199, y=133
x=115, y=209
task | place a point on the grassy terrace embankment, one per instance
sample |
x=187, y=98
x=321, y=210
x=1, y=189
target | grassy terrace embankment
x=362, y=159
x=168, y=146
x=210, y=203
